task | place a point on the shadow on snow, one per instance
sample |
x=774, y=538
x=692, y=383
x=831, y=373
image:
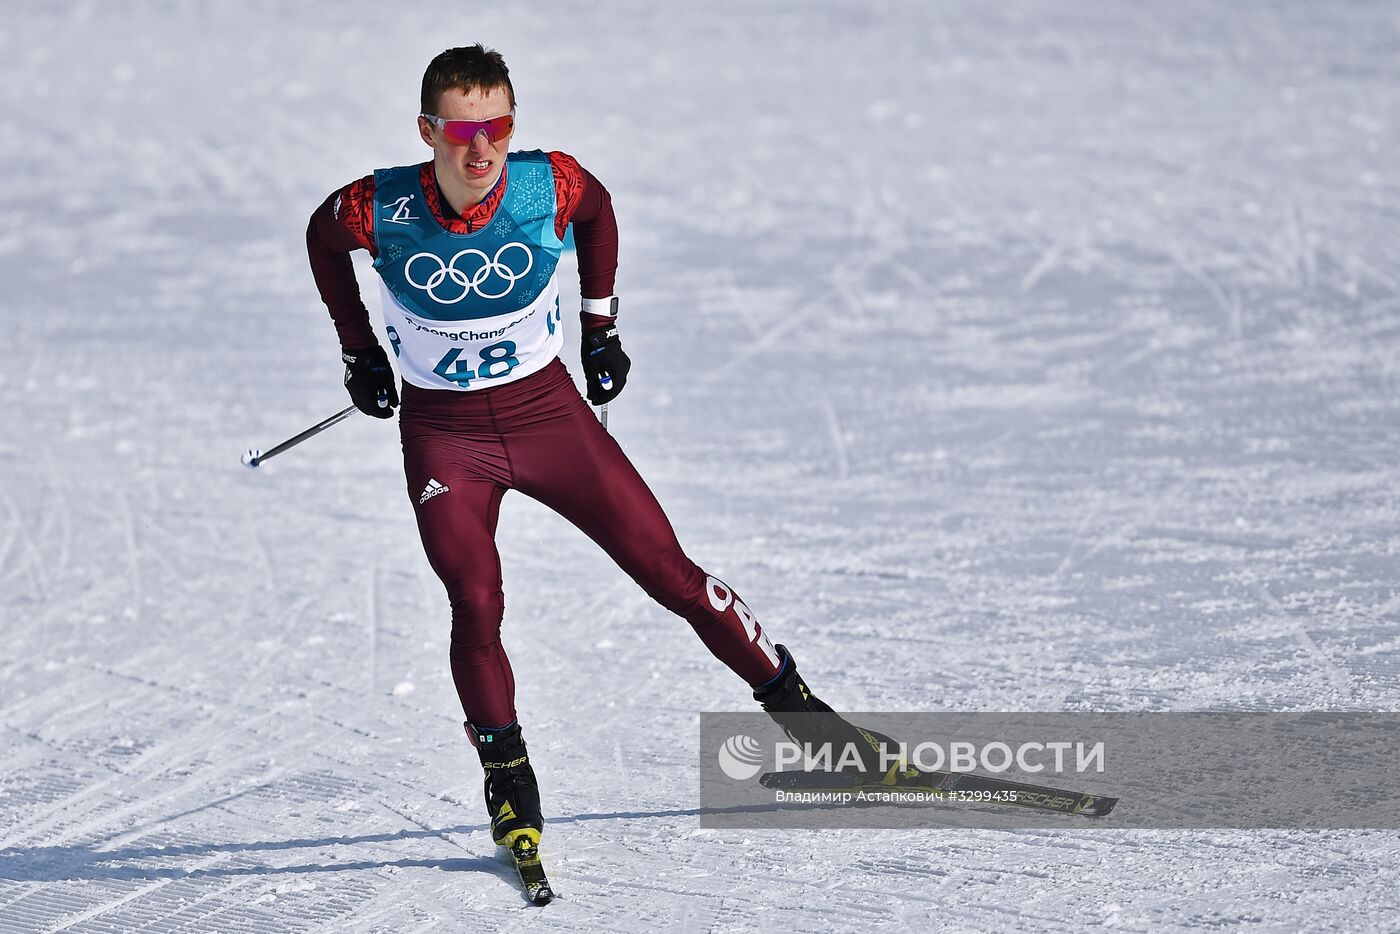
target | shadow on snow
x=91, y=863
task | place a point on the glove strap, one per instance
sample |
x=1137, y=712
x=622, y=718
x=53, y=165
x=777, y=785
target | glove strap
x=599, y=339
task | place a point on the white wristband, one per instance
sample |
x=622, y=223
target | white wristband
x=601, y=306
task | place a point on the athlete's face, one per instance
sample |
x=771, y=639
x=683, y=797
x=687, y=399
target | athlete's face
x=468, y=170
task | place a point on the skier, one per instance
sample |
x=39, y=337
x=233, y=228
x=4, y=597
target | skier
x=466, y=247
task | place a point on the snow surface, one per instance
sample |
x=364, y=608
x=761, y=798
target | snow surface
x=1007, y=356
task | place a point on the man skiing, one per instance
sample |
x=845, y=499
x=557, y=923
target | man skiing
x=466, y=247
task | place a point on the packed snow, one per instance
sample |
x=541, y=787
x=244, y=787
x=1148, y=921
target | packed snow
x=1008, y=356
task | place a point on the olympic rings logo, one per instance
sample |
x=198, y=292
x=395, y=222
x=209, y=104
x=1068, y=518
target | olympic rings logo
x=473, y=283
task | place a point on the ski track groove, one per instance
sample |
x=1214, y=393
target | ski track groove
x=1047, y=262
x=150, y=763
x=126, y=838
x=391, y=704
x=136, y=775
x=12, y=565
x=138, y=893
x=458, y=811
x=100, y=592
x=1074, y=539
x=739, y=302
x=1385, y=609
x=71, y=710
x=264, y=557
x=64, y=518
x=73, y=759
x=62, y=809
x=173, y=922
x=302, y=708
x=838, y=442
x=415, y=822
x=128, y=526
x=1123, y=533
x=19, y=892
x=1330, y=669
x=368, y=922
x=375, y=621
x=742, y=356
x=181, y=546
x=33, y=561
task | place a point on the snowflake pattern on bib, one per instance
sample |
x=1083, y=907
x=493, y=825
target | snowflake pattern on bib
x=536, y=193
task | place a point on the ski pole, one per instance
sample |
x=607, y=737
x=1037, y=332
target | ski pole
x=605, y=381
x=253, y=456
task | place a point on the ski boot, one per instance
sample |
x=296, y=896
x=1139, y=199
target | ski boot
x=513, y=803
x=810, y=722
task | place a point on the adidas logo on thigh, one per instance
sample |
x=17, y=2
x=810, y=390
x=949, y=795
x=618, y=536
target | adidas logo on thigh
x=432, y=489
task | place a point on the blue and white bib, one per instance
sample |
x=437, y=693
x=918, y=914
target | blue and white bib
x=470, y=311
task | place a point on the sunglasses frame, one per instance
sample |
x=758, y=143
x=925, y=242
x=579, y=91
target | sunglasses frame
x=441, y=124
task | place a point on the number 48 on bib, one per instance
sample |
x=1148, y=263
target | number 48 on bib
x=496, y=361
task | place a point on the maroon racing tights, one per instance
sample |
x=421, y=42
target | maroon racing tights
x=463, y=450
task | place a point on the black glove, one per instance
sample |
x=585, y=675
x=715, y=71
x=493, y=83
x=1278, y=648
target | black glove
x=370, y=381
x=605, y=364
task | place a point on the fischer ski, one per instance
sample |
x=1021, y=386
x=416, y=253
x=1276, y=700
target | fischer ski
x=524, y=849
x=955, y=786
